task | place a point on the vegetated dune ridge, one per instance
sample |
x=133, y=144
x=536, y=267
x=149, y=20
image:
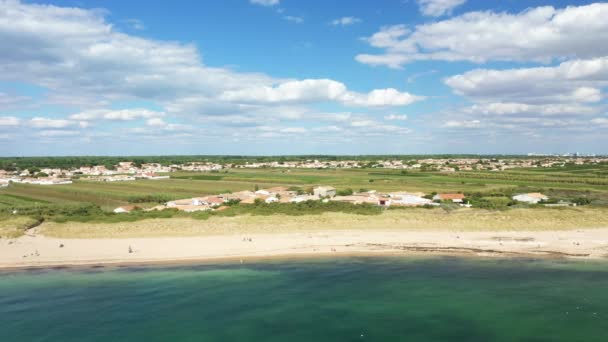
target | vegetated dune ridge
x=407, y=219
x=579, y=233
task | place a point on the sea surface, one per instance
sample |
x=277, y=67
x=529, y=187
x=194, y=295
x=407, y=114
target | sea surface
x=344, y=299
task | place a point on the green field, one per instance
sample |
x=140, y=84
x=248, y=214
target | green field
x=88, y=201
x=590, y=182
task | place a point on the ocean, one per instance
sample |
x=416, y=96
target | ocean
x=338, y=299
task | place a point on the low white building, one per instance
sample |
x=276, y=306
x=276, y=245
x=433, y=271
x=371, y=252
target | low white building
x=531, y=198
x=324, y=191
x=124, y=209
x=411, y=200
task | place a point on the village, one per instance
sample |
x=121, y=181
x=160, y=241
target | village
x=324, y=194
x=130, y=171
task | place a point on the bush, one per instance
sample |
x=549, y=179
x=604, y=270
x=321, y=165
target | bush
x=581, y=201
x=151, y=198
x=345, y=192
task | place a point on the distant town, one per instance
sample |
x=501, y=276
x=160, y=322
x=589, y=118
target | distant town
x=130, y=171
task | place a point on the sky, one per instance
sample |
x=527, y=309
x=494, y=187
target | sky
x=277, y=77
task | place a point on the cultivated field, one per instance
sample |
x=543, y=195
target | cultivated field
x=588, y=181
x=88, y=201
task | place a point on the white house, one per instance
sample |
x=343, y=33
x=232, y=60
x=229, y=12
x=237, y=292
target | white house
x=456, y=198
x=271, y=199
x=324, y=191
x=411, y=200
x=124, y=209
x=532, y=198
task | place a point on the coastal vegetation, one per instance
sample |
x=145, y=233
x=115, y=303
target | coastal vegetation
x=419, y=219
x=90, y=201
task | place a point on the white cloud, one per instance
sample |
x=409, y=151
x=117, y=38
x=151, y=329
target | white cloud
x=345, y=21
x=310, y=90
x=294, y=19
x=363, y=123
x=116, y=115
x=57, y=133
x=82, y=61
x=327, y=129
x=318, y=90
x=437, y=8
x=265, y=2
x=294, y=130
x=540, y=34
x=39, y=122
x=577, y=81
x=10, y=101
x=600, y=121
x=462, y=124
x=395, y=117
x=9, y=121
x=380, y=98
x=156, y=122
x=513, y=109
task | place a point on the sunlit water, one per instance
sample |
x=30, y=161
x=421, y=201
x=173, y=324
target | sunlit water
x=352, y=299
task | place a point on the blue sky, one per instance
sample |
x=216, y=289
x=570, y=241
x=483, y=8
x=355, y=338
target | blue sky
x=295, y=77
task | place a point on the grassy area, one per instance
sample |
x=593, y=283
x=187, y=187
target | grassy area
x=13, y=227
x=88, y=201
x=410, y=219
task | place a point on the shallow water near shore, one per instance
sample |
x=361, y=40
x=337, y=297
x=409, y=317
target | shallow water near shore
x=343, y=299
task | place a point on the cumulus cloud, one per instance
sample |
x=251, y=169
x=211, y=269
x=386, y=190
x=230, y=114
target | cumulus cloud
x=82, y=60
x=437, y=8
x=345, y=21
x=540, y=34
x=57, y=133
x=318, y=90
x=532, y=100
x=600, y=121
x=462, y=124
x=10, y=101
x=39, y=122
x=116, y=115
x=395, y=117
x=572, y=81
x=515, y=109
x=156, y=122
x=9, y=121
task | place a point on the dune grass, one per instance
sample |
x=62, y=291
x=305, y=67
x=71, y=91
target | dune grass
x=410, y=219
x=14, y=227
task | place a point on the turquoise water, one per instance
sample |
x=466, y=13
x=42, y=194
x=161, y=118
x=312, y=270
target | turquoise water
x=352, y=299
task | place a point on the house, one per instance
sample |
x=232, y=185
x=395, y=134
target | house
x=384, y=201
x=214, y=201
x=456, y=198
x=357, y=198
x=410, y=200
x=192, y=208
x=324, y=191
x=125, y=209
x=533, y=197
x=271, y=199
x=182, y=202
x=302, y=198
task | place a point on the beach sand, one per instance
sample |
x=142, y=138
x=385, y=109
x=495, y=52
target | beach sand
x=41, y=251
x=577, y=233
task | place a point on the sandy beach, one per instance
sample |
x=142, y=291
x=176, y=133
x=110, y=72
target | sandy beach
x=41, y=251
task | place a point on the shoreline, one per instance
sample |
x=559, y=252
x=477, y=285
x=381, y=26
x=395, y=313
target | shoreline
x=38, y=251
